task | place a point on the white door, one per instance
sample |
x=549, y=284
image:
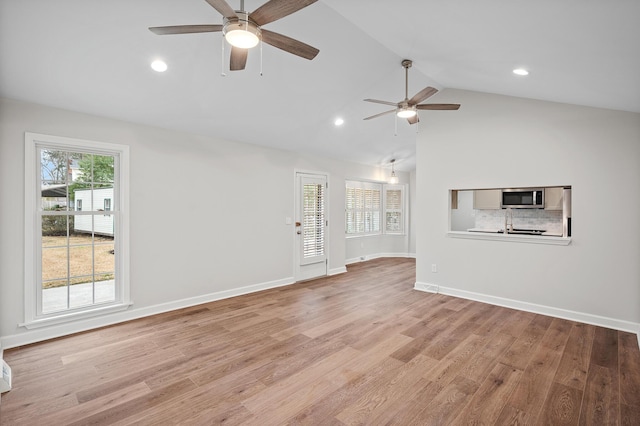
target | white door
x=311, y=226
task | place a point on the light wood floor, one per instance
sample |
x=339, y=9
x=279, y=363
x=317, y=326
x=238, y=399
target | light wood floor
x=357, y=348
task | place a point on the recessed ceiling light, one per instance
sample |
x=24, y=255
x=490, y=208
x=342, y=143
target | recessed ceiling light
x=339, y=121
x=520, y=71
x=159, y=66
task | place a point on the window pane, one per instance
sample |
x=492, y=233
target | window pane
x=54, y=167
x=393, y=222
x=55, y=262
x=103, y=170
x=95, y=169
x=313, y=220
x=105, y=264
x=394, y=199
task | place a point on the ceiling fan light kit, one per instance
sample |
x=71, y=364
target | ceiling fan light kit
x=406, y=112
x=241, y=32
x=408, y=108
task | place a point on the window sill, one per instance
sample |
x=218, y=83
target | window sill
x=63, y=318
x=379, y=234
x=531, y=239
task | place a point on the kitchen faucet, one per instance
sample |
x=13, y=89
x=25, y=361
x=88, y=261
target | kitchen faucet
x=508, y=227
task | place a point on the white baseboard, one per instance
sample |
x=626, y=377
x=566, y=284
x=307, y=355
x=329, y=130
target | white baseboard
x=377, y=256
x=601, y=321
x=336, y=271
x=429, y=288
x=46, y=333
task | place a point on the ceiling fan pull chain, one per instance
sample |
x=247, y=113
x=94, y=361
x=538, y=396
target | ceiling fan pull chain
x=222, y=73
x=395, y=132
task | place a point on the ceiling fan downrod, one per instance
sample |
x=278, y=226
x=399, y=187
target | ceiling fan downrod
x=406, y=64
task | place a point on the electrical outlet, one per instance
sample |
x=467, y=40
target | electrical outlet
x=434, y=268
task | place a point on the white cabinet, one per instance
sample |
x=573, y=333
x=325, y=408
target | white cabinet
x=553, y=198
x=487, y=199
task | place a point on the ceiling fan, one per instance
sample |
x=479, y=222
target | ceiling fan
x=407, y=108
x=244, y=30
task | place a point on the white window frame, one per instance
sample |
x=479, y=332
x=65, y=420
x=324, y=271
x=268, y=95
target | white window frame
x=402, y=210
x=33, y=248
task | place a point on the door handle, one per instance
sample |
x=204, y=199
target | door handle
x=298, y=230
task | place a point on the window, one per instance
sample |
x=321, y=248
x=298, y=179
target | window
x=363, y=208
x=394, y=209
x=76, y=261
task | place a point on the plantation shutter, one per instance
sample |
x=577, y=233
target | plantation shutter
x=363, y=206
x=394, y=202
x=313, y=220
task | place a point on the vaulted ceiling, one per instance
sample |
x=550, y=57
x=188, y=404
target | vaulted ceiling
x=93, y=56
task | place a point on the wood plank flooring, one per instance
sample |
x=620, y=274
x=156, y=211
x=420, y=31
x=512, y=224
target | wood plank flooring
x=357, y=348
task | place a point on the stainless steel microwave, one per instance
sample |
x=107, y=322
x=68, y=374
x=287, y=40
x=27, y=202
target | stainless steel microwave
x=522, y=198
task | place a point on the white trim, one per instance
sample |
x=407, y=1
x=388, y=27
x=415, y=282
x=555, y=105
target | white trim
x=337, y=271
x=429, y=288
x=121, y=216
x=74, y=316
x=41, y=334
x=534, y=239
x=378, y=256
x=586, y=318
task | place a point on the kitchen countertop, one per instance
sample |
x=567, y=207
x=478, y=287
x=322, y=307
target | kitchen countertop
x=490, y=234
x=500, y=231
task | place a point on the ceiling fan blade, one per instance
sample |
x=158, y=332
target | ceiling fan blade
x=289, y=44
x=223, y=7
x=276, y=9
x=422, y=95
x=378, y=115
x=439, y=106
x=185, y=29
x=395, y=104
x=238, y=59
x=414, y=119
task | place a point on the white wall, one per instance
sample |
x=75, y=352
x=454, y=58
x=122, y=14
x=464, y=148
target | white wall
x=207, y=242
x=497, y=141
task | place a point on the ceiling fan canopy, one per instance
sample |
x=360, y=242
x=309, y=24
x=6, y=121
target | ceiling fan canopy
x=243, y=30
x=408, y=108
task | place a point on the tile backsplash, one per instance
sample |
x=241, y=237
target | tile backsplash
x=549, y=220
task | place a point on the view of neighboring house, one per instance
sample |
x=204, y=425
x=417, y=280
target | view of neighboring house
x=102, y=201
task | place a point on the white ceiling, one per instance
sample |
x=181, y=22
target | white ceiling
x=93, y=56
